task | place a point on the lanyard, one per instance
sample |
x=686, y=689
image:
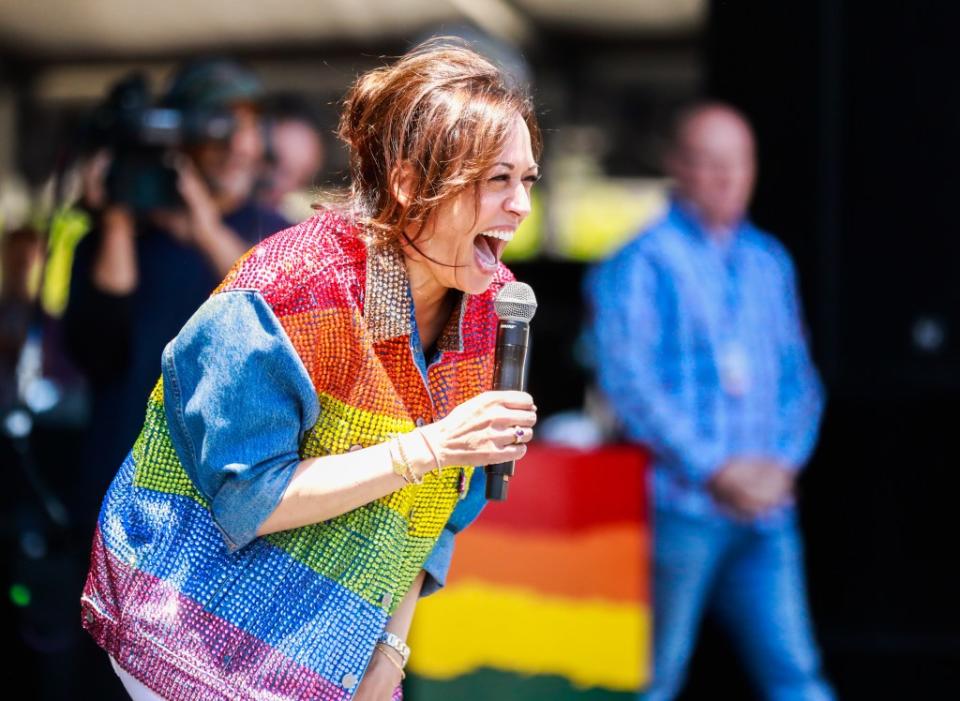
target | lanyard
x=733, y=360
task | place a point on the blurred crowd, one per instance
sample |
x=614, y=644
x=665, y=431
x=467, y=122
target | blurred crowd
x=171, y=190
x=696, y=333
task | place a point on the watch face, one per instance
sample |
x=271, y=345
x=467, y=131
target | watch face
x=396, y=644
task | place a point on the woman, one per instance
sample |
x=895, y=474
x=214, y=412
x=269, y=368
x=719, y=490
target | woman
x=307, y=454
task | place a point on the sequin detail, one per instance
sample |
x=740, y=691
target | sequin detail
x=294, y=614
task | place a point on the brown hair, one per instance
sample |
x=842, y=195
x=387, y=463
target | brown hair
x=441, y=108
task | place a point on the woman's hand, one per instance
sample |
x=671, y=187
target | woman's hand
x=379, y=682
x=491, y=428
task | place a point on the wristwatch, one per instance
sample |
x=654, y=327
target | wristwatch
x=395, y=642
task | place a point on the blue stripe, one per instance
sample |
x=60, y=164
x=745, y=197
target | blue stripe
x=260, y=589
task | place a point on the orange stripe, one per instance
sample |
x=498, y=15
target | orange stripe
x=600, y=563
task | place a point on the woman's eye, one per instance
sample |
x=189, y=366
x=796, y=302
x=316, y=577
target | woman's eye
x=532, y=179
x=501, y=178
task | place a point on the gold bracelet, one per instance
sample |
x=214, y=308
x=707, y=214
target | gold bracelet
x=436, y=460
x=409, y=474
x=399, y=466
x=382, y=648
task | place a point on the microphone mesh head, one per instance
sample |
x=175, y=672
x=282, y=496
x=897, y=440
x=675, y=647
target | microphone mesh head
x=516, y=302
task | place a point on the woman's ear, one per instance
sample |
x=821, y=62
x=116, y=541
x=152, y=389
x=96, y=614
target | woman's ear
x=401, y=183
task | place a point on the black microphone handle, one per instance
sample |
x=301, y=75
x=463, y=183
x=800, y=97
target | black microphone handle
x=509, y=373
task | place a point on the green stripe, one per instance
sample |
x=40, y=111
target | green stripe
x=157, y=465
x=340, y=550
x=371, y=551
x=340, y=426
x=486, y=684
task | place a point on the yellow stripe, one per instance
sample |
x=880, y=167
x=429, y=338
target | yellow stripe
x=341, y=426
x=590, y=642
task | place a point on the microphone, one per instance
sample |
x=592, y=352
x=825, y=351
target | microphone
x=515, y=305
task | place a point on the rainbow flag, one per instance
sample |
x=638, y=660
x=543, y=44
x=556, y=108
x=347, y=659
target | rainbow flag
x=548, y=596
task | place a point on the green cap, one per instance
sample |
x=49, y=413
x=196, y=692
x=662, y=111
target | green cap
x=212, y=82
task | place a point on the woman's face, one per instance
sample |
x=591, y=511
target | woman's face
x=464, y=240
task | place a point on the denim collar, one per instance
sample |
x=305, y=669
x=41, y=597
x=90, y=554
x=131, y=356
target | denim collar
x=388, y=306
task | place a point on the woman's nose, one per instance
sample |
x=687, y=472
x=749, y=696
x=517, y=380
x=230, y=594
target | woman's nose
x=519, y=201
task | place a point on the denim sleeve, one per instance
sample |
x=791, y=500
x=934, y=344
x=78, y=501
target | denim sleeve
x=238, y=401
x=628, y=306
x=438, y=562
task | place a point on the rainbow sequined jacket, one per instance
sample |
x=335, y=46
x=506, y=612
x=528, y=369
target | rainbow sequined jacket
x=180, y=591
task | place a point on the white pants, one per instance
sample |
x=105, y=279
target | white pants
x=137, y=691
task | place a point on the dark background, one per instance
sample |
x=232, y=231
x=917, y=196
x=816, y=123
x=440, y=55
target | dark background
x=857, y=109
x=857, y=113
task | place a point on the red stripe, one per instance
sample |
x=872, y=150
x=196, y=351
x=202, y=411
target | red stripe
x=563, y=489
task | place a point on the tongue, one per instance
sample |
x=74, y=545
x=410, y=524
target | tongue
x=485, y=254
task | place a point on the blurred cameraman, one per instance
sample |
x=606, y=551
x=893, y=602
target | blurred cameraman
x=176, y=213
x=296, y=155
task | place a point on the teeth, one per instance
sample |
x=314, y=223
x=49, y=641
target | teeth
x=502, y=235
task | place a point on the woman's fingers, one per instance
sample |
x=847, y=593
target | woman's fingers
x=492, y=427
x=512, y=399
x=506, y=454
x=514, y=452
x=516, y=435
x=513, y=417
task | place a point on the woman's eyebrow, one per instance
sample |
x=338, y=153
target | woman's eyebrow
x=511, y=166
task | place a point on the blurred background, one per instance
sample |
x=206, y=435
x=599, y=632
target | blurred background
x=857, y=114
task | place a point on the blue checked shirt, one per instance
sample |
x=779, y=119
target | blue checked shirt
x=700, y=349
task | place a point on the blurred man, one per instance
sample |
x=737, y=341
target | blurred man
x=702, y=354
x=158, y=251
x=296, y=151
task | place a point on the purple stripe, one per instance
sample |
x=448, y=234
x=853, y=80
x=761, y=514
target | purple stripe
x=260, y=589
x=181, y=651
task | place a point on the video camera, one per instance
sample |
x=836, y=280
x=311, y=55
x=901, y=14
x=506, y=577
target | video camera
x=144, y=138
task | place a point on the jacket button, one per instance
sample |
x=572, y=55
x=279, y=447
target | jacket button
x=420, y=421
x=349, y=680
x=387, y=600
x=355, y=447
x=88, y=617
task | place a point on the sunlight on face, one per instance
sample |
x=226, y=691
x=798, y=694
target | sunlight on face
x=464, y=239
x=714, y=166
x=298, y=155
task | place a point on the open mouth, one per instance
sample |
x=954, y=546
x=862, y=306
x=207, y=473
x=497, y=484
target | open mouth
x=488, y=247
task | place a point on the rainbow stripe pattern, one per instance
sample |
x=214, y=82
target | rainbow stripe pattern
x=294, y=615
x=548, y=596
